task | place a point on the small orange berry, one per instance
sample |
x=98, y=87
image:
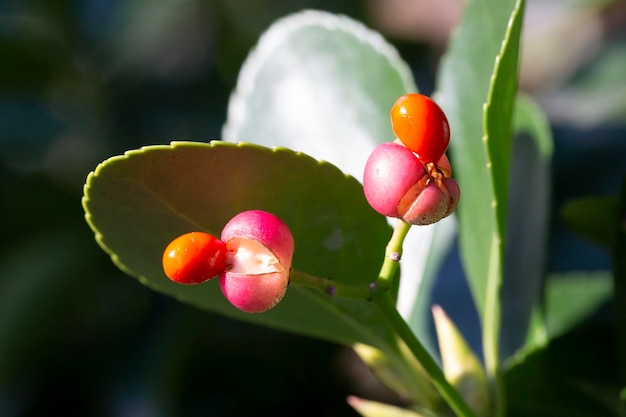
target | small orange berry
x=421, y=125
x=194, y=258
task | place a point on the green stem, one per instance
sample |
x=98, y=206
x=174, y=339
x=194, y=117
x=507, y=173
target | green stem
x=382, y=297
x=393, y=253
x=384, y=301
x=328, y=286
x=385, y=280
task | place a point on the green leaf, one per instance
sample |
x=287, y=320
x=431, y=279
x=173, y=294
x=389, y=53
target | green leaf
x=464, y=89
x=322, y=84
x=460, y=365
x=529, y=203
x=498, y=118
x=137, y=203
x=575, y=375
x=477, y=88
x=385, y=368
x=572, y=297
x=593, y=218
x=530, y=119
x=299, y=90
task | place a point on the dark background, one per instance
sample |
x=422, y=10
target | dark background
x=82, y=80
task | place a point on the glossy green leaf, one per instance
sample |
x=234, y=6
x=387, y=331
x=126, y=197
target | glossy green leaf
x=593, y=218
x=301, y=89
x=138, y=202
x=529, y=209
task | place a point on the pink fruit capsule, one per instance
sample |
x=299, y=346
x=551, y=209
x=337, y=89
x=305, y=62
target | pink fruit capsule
x=390, y=171
x=258, y=259
x=396, y=184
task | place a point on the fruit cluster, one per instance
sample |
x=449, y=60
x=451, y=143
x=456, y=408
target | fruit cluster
x=252, y=258
x=410, y=178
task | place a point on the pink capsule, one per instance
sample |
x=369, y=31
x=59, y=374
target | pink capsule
x=258, y=260
x=396, y=184
x=390, y=171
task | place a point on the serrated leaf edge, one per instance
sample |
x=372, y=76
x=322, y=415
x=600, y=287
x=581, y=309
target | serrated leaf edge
x=173, y=145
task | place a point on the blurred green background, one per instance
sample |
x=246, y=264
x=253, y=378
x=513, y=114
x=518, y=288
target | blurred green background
x=83, y=80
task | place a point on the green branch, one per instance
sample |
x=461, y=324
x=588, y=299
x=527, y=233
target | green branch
x=393, y=253
x=384, y=301
x=330, y=287
x=382, y=298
